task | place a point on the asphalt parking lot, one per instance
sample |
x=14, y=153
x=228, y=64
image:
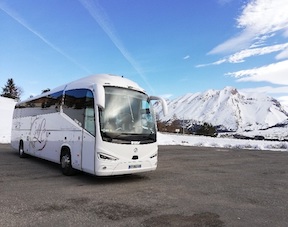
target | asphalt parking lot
x=192, y=186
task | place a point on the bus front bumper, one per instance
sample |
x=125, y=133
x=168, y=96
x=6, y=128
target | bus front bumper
x=125, y=168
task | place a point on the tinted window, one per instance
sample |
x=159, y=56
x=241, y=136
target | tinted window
x=44, y=105
x=79, y=105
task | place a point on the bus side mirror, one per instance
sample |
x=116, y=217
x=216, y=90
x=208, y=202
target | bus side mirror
x=163, y=102
x=99, y=95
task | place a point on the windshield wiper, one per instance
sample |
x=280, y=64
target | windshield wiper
x=108, y=136
x=128, y=137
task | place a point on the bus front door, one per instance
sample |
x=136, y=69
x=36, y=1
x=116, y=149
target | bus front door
x=88, y=153
x=88, y=144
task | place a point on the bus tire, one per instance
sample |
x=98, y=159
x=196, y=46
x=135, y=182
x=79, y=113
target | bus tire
x=65, y=162
x=21, y=150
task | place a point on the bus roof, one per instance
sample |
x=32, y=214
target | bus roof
x=89, y=81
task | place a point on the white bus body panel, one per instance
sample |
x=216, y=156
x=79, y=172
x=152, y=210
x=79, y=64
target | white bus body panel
x=88, y=153
x=146, y=153
x=44, y=135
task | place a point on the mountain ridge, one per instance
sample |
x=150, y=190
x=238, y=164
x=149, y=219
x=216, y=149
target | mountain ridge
x=227, y=109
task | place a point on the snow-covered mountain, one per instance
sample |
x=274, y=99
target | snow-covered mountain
x=228, y=109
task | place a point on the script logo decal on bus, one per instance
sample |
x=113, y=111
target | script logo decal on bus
x=38, y=134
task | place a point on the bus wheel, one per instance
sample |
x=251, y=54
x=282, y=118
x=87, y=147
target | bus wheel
x=66, y=163
x=21, y=150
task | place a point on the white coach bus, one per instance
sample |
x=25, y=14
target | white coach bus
x=102, y=125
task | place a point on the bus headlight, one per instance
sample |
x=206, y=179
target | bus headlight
x=106, y=157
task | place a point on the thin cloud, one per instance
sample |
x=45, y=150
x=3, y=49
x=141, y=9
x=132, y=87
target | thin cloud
x=102, y=19
x=266, y=89
x=186, y=57
x=213, y=63
x=259, y=19
x=240, y=56
x=275, y=73
x=17, y=18
x=243, y=54
x=237, y=43
x=264, y=16
x=283, y=54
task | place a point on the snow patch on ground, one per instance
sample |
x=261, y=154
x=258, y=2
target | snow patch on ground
x=203, y=141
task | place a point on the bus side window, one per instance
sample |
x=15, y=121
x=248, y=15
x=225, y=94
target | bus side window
x=79, y=105
x=54, y=101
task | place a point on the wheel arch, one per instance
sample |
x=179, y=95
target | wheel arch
x=21, y=142
x=66, y=161
x=21, y=151
x=65, y=149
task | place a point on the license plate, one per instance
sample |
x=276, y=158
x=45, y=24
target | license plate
x=134, y=166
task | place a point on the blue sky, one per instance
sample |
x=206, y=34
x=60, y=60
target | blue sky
x=168, y=47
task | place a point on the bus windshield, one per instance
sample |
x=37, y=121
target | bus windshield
x=127, y=117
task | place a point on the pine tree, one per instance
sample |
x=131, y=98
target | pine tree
x=207, y=130
x=11, y=90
